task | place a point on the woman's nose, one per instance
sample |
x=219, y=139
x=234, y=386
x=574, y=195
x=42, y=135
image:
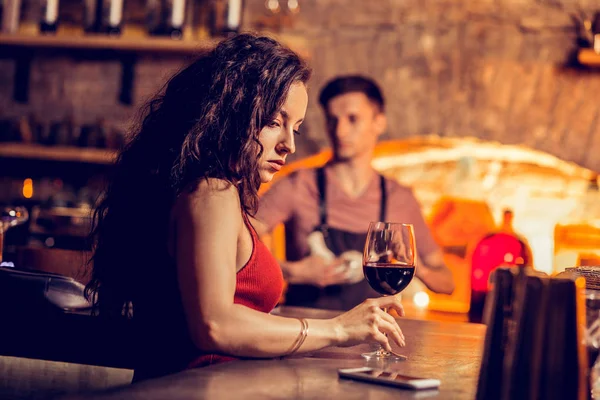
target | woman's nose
x=288, y=144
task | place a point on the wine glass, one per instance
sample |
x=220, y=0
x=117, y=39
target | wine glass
x=10, y=217
x=389, y=266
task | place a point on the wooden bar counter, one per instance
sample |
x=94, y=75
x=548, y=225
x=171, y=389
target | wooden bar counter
x=449, y=351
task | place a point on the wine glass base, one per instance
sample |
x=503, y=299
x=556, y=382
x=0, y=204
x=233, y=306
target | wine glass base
x=382, y=355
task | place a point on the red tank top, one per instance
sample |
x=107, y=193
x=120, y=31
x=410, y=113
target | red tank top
x=258, y=285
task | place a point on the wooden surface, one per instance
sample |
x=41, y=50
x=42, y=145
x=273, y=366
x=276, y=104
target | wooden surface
x=133, y=44
x=25, y=378
x=104, y=42
x=447, y=351
x=410, y=312
x=57, y=153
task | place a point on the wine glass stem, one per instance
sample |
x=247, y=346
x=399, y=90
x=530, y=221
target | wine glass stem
x=382, y=351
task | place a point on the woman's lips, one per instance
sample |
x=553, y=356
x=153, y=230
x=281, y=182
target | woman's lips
x=276, y=165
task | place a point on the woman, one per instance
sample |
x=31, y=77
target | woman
x=174, y=247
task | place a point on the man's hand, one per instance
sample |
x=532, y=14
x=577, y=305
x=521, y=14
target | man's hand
x=313, y=270
x=435, y=274
x=354, y=269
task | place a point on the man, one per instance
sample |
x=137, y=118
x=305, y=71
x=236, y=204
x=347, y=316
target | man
x=339, y=200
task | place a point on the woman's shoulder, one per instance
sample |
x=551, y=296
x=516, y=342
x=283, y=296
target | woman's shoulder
x=211, y=187
x=208, y=195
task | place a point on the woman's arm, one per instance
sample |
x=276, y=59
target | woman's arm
x=210, y=231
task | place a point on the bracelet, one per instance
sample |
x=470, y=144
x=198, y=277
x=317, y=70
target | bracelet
x=301, y=337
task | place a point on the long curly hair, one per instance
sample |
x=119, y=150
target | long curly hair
x=204, y=123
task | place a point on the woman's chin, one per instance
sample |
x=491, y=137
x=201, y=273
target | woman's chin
x=266, y=177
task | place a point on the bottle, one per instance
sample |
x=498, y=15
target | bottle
x=577, y=237
x=61, y=132
x=49, y=20
x=166, y=17
x=507, y=221
x=93, y=135
x=112, y=16
x=92, y=17
x=25, y=131
x=502, y=248
x=226, y=17
x=37, y=131
x=11, y=16
x=114, y=139
x=525, y=258
x=233, y=19
x=154, y=17
x=175, y=18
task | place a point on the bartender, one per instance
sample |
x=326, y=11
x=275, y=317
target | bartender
x=327, y=210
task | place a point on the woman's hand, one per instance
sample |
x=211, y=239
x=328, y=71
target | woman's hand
x=368, y=322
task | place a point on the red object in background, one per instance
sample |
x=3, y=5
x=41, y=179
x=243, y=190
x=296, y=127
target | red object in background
x=501, y=249
x=493, y=251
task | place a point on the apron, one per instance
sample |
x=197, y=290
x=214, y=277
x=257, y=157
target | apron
x=336, y=297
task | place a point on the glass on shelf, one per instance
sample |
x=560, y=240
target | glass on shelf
x=11, y=217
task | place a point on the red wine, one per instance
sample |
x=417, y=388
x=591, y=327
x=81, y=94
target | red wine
x=388, y=278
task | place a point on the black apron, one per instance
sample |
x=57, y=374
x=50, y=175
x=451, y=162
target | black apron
x=336, y=297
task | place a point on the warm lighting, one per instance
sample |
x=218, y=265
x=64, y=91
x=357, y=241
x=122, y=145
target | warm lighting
x=272, y=5
x=28, y=188
x=421, y=299
x=293, y=6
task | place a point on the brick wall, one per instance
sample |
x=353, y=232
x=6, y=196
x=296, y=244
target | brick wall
x=493, y=69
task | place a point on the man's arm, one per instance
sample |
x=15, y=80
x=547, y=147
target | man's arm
x=431, y=269
x=434, y=273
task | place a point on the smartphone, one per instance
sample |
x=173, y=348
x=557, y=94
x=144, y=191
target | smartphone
x=388, y=378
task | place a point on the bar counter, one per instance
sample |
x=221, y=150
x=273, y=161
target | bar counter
x=448, y=351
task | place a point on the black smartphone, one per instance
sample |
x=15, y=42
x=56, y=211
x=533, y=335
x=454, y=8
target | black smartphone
x=388, y=378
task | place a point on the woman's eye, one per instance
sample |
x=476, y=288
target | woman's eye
x=274, y=124
x=296, y=132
